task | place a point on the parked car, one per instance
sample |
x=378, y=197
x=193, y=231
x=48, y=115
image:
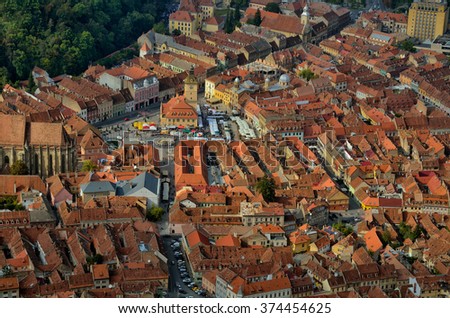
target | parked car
x=181, y=291
x=187, y=280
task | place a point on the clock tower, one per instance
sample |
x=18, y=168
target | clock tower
x=191, y=88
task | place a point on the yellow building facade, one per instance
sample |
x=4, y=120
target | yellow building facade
x=184, y=22
x=428, y=19
x=191, y=88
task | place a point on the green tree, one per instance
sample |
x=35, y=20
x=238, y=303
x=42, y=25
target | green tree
x=88, y=166
x=3, y=76
x=272, y=7
x=307, y=74
x=19, y=168
x=160, y=27
x=59, y=35
x=266, y=187
x=237, y=14
x=176, y=32
x=154, y=213
x=407, y=45
x=257, y=19
x=386, y=237
x=344, y=229
x=228, y=27
x=96, y=259
x=407, y=232
x=31, y=87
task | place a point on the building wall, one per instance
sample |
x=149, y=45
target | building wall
x=190, y=93
x=112, y=82
x=186, y=28
x=187, y=122
x=152, y=198
x=44, y=161
x=427, y=20
x=12, y=293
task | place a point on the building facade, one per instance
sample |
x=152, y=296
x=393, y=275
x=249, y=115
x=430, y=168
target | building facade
x=45, y=148
x=427, y=19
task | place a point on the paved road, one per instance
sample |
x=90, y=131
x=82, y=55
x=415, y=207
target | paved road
x=174, y=273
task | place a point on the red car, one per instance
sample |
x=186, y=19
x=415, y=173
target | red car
x=126, y=119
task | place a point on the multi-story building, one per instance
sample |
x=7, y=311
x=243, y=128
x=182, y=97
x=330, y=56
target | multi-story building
x=191, y=88
x=177, y=113
x=182, y=21
x=143, y=85
x=9, y=287
x=427, y=19
x=45, y=148
x=190, y=16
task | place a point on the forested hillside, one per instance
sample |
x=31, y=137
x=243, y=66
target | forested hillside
x=63, y=36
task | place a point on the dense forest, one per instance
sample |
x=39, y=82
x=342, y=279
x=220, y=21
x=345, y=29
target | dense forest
x=64, y=36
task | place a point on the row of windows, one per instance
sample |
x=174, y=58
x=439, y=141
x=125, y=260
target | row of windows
x=16, y=221
x=273, y=295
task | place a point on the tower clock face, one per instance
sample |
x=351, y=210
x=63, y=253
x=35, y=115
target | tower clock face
x=191, y=87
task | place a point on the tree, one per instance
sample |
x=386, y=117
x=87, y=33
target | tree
x=307, y=74
x=407, y=232
x=237, y=14
x=19, y=168
x=407, y=45
x=266, y=187
x=31, y=87
x=59, y=35
x=386, y=237
x=89, y=166
x=272, y=7
x=96, y=259
x=160, y=27
x=257, y=19
x=228, y=27
x=154, y=214
x=344, y=229
x=176, y=32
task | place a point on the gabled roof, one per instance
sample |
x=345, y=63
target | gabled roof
x=12, y=129
x=143, y=181
x=229, y=240
x=21, y=183
x=97, y=186
x=195, y=238
x=372, y=240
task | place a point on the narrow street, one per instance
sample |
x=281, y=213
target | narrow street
x=175, y=278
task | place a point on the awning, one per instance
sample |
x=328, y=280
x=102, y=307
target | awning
x=180, y=127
